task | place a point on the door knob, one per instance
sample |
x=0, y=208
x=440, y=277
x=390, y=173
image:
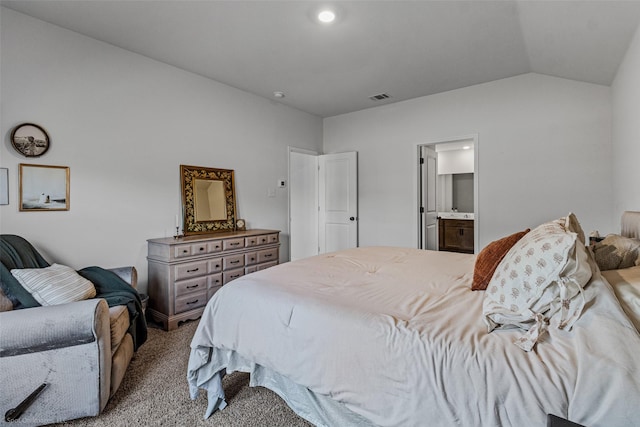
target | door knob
x=352, y=218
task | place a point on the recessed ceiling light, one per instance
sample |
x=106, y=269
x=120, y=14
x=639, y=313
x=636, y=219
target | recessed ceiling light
x=466, y=147
x=278, y=94
x=326, y=16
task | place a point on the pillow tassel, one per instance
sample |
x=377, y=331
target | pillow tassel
x=566, y=320
x=530, y=338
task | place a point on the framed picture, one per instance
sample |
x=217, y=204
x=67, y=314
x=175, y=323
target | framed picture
x=4, y=186
x=44, y=188
x=30, y=140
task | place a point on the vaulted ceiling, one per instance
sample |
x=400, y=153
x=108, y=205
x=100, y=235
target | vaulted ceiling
x=405, y=49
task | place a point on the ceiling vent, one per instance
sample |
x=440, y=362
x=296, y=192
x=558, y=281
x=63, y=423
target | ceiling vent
x=379, y=97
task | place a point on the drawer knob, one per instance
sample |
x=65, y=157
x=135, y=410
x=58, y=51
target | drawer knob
x=192, y=286
x=194, y=270
x=268, y=255
x=234, y=262
x=201, y=249
x=192, y=302
x=184, y=251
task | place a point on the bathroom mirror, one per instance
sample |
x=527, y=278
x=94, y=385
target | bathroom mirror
x=208, y=199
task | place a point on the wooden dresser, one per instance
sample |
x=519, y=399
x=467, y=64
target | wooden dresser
x=184, y=273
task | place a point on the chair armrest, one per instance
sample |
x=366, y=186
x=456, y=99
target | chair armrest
x=128, y=274
x=30, y=330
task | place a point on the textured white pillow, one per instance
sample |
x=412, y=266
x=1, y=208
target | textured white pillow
x=541, y=276
x=57, y=284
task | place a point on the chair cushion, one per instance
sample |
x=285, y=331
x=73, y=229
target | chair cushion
x=57, y=284
x=119, y=323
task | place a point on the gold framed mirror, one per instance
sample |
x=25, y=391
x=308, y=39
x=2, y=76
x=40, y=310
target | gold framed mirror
x=208, y=199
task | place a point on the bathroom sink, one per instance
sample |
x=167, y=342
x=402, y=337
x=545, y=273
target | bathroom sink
x=456, y=215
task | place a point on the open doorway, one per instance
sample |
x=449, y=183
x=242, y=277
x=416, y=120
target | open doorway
x=323, y=202
x=448, y=194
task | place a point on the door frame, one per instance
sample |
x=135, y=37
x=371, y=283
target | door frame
x=476, y=180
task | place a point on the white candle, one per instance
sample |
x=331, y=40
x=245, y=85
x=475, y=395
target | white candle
x=177, y=221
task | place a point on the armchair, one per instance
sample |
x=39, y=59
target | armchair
x=80, y=349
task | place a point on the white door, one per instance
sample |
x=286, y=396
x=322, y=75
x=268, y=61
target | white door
x=338, y=198
x=428, y=208
x=303, y=204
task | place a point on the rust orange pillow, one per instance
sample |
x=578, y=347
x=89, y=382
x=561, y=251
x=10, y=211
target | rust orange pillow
x=488, y=259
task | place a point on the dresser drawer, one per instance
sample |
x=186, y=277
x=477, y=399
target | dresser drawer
x=215, y=280
x=212, y=291
x=233, y=261
x=230, y=244
x=215, y=246
x=181, y=251
x=191, y=285
x=250, y=258
x=263, y=240
x=192, y=269
x=250, y=241
x=272, y=238
x=199, y=249
x=215, y=265
x=267, y=265
x=228, y=276
x=268, y=255
x=251, y=269
x=191, y=301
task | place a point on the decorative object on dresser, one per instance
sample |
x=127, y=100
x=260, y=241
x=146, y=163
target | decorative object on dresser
x=30, y=140
x=208, y=198
x=184, y=273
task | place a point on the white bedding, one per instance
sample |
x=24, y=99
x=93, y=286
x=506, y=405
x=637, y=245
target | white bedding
x=396, y=336
x=626, y=285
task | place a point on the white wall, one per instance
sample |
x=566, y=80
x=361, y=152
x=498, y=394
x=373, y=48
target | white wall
x=455, y=161
x=626, y=133
x=544, y=149
x=124, y=123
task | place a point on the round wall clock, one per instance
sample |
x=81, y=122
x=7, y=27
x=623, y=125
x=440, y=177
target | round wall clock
x=30, y=140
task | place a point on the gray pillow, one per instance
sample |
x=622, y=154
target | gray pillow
x=615, y=252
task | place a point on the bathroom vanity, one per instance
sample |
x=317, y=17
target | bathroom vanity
x=455, y=232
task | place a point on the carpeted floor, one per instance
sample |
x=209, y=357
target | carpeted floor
x=155, y=392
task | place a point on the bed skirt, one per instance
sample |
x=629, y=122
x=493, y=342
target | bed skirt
x=318, y=409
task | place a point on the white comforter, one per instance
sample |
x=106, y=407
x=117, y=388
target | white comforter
x=396, y=335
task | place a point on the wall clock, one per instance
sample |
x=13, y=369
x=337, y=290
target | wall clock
x=30, y=140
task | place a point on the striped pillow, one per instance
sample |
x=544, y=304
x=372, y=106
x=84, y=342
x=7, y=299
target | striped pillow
x=57, y=284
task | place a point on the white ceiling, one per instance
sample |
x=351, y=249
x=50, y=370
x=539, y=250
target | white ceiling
x=406, y=49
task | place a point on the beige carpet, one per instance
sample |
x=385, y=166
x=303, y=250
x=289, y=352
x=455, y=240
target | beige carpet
x=155, y=392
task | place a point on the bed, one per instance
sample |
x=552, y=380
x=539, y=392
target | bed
x=396, y=337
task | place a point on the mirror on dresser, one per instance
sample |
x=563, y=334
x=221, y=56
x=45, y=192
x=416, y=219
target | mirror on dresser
x=208, y=199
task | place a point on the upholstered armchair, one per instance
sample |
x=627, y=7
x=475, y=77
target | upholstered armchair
x=81, y=349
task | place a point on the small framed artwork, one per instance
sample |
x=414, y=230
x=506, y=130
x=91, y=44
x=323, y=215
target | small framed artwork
x=4, y=186
x=30, y=140
x=44, y=188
